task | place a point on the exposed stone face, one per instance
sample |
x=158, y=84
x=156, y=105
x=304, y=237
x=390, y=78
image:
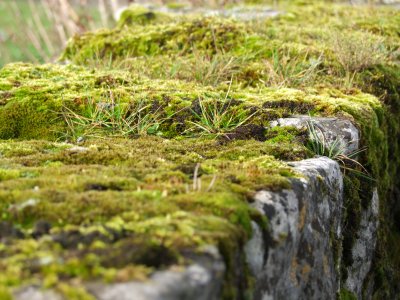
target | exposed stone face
x=332, y=129
x=197, y=282
x=34, y=293
x=364, y=248
x=240, y=13
x=301, y=256
x=299, y=260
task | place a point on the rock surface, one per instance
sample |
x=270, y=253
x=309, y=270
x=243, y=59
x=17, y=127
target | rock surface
x=330, y=129
x=239, y=13
x=35, y=293
x=199, y=281
x=305, y=222
x=364, y=248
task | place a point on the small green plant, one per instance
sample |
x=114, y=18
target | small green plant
x=336, y=150
x=112, y=118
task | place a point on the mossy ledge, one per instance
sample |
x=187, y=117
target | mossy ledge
x=116, y=208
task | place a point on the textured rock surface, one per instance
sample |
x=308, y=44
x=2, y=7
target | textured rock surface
x=34, y=293
x=199, y=281
x=299, y=258
x=240, y=13
x=332, y=129
x=364, y=248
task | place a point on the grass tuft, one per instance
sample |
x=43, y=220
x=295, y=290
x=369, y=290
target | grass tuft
x=217, y=118
x=112, y=118
x=336, y=150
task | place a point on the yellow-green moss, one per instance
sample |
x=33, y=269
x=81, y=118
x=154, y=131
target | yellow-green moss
x=346, y=295
x=108, y=195
x=193, y=48
x=37, y=106
x=113, y=213
x=139, y=15
x=205, y=34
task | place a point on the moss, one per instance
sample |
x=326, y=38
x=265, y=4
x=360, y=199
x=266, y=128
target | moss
x=283, y=134
x=117, y=209
x=108, y=219
x=139, y=15
x=255, y=53
x=346, y=295
x=5, y=294
x=206, y=34
x=9, y=174
x=35, y=107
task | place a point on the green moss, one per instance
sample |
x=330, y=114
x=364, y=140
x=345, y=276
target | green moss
x=5, y=294
x=317, y=37
x=112, y=219
x=139, y=15
x=206, y=34
x=35, y=107
x=346, y=295
x=9, y=174
x=121, y=208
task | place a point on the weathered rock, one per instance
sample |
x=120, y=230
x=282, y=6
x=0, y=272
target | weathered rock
x=200, y=281
x=299, y=257
x=330, y=129
x=35, y=293
x=364, y=248
x=239, y=13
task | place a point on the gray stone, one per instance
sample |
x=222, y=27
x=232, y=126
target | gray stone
x=200, y=281
x=239, y=12
x=35, y=293
x=244, y=13
x=302, y=251
x=298, y=260
x=330, y=129
x=364, y=247
x=255, y=250
x=77, y=149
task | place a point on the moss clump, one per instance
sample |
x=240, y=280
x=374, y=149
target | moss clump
x=205, y=34
x=139, y=15
x=346, y=295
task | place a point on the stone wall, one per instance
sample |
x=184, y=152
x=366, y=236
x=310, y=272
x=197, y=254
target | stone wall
x=298, y=257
